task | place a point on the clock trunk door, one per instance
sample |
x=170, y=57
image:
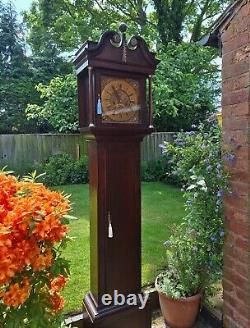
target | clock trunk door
x=123, y=252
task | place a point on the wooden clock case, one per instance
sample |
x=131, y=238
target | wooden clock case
x=114, y=167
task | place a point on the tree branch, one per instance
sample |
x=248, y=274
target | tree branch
x=99, y=5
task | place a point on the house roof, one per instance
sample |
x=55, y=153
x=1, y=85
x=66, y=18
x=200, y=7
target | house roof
x=213, y=38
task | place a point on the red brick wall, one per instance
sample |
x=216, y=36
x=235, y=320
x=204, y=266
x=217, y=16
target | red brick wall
x=236, y=137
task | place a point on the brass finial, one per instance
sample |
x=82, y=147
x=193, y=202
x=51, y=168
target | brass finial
x=123, y=27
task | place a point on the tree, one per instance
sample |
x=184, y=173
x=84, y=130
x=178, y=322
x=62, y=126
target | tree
x=185, y=86
x=59, y=107
x=20, y=73
x=71, y=22
x=15, y=84
x=171, y=15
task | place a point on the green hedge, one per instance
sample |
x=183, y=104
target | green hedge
x=62, y=169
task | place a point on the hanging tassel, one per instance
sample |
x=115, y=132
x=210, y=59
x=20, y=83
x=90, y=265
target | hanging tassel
x=110, y=230
x=99, y=106
x=111, y=235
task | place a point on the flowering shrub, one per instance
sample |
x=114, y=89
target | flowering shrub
x=32, y=273
x=198, y=243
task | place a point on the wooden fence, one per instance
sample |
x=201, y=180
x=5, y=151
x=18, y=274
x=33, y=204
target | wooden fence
x=21, y=151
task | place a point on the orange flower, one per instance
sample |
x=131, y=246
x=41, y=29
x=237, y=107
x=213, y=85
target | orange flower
x=17, y=294
x=58, y=283
x=42, y=261
x=30, y=225
x=50, y=229
x=57, y=302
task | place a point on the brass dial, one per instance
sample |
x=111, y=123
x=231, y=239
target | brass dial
x=120, y=100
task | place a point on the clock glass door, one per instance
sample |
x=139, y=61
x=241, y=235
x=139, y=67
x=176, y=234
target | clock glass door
x=120, y=99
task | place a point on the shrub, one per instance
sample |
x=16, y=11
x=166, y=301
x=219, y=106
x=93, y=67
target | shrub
x=153, y=170
x=62, y=169
x=198, y=160
x=80, y=172
x=32, y=272
x=160, y=170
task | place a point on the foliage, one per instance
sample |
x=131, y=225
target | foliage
x=159, y=170
x=153, y=170
x=163, y=21
x=20, y=73
x=199, y=241
x=60, y=104
x=32, y=272
x=15, y=86
x=185, y=86
x=61, y=169
x=185, y=274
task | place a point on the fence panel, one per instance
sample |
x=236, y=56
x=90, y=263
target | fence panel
x=150, y=149
x=21, y=151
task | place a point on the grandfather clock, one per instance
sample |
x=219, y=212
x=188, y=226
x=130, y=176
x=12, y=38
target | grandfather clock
x=115, y=109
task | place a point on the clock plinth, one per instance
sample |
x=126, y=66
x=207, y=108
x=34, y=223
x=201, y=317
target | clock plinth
x=115, y=108
x=115, y=317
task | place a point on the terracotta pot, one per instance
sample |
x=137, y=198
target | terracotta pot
x=180, y=313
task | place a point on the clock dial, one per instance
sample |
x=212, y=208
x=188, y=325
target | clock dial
x=120, y=100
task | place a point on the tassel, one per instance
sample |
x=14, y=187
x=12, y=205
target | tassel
x=110, y=230
x=111, y=235
x=99, y=106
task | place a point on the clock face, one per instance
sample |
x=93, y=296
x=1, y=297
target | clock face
x=120, y=100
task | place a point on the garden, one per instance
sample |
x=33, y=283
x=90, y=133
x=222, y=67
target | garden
x=182, y=228
x=44, y=205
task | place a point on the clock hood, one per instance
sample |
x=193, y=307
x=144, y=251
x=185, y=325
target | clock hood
x=115, y=52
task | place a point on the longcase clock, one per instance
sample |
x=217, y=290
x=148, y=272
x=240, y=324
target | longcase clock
x=115, y=110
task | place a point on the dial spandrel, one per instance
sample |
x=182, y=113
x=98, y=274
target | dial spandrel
x=120, y=100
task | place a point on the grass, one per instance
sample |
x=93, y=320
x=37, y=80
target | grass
x=162, y=206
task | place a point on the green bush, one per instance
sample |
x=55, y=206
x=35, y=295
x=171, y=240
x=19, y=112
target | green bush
x=160, y=170
x=80, y=173
x=153, y=170
x=198, y=160
x=62, y=169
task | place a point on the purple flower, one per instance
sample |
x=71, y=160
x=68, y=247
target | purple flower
x=213, y=239
x=230, y=158
x=222, y=233
x=220, y=193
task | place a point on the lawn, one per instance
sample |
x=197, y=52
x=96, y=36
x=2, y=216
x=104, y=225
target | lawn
x=162, y=206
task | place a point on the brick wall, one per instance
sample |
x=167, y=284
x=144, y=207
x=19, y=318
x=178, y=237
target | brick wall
x=236, y=135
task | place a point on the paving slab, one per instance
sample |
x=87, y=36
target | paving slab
x=159, y=323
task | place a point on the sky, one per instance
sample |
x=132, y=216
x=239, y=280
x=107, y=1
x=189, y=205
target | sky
x=21, y=4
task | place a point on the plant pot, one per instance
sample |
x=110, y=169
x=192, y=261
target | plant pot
x=180, y=313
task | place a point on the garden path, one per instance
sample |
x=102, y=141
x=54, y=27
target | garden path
x=159, y=323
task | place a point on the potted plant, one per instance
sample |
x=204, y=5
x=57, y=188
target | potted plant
x=194, y=251
x=181, y=285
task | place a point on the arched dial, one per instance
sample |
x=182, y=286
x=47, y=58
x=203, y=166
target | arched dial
x=120, y=101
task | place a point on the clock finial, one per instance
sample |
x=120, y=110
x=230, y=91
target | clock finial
x=123, y=27
x=119, y=39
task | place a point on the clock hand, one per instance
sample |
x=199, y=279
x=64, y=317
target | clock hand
x=116, y=94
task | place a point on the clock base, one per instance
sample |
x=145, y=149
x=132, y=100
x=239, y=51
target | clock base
x=124, y=316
